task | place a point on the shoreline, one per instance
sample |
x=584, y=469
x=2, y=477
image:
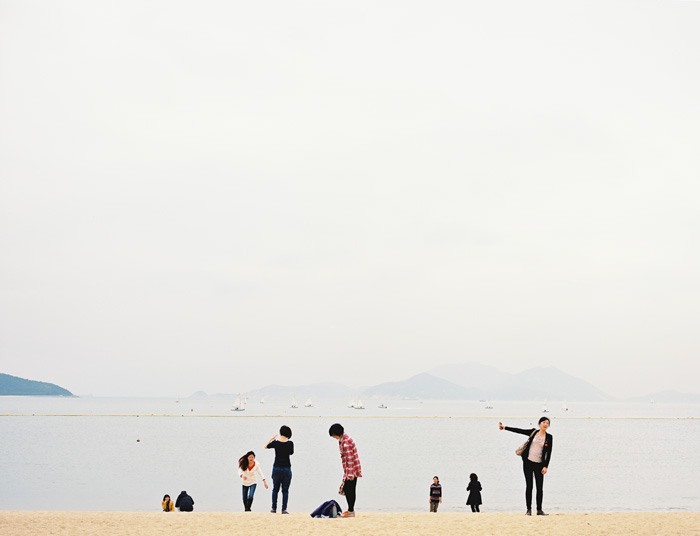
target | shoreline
x=62, y=523
x=342, y=416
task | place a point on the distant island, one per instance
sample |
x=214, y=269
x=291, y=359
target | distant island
x=466, y=381
x=14, y=386
x=458, y=381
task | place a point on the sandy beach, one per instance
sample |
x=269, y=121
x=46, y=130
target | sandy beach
x=25, y=523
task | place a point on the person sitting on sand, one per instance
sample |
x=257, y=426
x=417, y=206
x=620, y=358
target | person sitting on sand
x=184, y=502
x=167, y=504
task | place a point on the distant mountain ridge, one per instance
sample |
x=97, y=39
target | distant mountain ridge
x=538, y=383
x=15, y=386
x=424, y=386
x=470, y=381
x=458, y=381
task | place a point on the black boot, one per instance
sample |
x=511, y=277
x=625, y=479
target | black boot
x=246, y=504
x=529, y=512
x=250, y=504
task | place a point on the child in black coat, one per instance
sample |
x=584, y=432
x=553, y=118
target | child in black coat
x=474, y=489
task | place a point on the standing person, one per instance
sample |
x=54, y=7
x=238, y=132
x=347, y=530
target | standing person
x=435, y=494
x=167, y=504
x=474, y=489
x=282, y=467
x=249, y=471
x=184, y=502
x=536, y=458
x=352, y=470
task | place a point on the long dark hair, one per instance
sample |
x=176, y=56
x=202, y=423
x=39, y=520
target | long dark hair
x=243, y=460
x=473, y=477
x=167, y=504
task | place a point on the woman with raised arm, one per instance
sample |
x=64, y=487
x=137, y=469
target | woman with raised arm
x=282, y=468
x=536, y=457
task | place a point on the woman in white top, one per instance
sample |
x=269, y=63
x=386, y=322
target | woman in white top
x=249, y=471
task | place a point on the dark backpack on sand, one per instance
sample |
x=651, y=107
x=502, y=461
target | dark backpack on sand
x=328, y=509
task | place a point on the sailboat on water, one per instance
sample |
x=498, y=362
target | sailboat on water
x=238, y=405
x=295, y=404
x=308, y=403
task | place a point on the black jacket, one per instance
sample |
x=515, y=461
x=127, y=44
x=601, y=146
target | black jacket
x=184, y=502
x=474, y=489
x=546, y=450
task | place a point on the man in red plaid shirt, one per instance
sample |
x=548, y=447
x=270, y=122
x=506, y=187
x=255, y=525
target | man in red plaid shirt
x=352, y=470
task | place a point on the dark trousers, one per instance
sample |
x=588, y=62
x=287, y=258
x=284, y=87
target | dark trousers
x=475, y=507
x=281, y=478
x=531, y=469
x=350, y=490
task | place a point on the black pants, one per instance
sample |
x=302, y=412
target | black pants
x=475, y=507
x=350, y=488
x=531, y=469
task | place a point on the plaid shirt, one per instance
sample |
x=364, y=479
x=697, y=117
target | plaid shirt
x=349, y=458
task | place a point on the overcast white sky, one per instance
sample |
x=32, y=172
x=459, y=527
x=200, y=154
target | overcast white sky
x=220, y=195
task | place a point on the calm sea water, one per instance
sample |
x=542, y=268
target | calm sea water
x=125, y=454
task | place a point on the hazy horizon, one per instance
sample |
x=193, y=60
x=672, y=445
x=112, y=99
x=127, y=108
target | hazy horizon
x=219, y=196
x=253, y=388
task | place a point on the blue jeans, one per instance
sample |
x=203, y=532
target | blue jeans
x=281, y=477
x=248, y=492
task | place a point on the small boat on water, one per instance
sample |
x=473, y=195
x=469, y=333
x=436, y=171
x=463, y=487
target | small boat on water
x=488, y=405
x=238, y=405
x=382, y=406
x=359, y=405
x=308, y=403
x=295, y=404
